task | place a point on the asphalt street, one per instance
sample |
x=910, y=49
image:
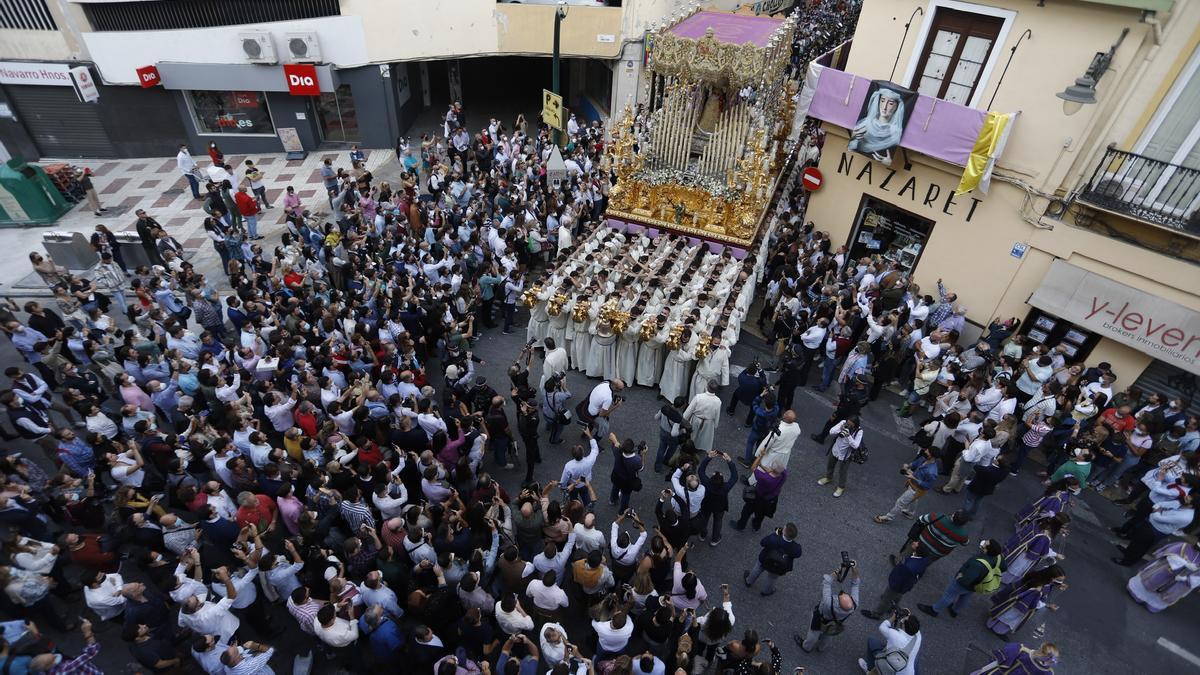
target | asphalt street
x=1098, y=627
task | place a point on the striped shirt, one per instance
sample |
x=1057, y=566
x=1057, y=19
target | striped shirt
x=356, y=514
x=940, y=535
x=304, y=614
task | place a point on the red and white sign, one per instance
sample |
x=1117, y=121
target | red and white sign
x=148, y=76
x=301, y=79
x=85, y=84
x=812, y=179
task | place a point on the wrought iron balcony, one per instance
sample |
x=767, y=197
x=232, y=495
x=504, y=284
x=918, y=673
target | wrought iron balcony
x=1145, y=189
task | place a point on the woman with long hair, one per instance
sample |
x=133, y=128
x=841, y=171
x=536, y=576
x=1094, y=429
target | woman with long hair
x=1030, y=545
x=1013, y=605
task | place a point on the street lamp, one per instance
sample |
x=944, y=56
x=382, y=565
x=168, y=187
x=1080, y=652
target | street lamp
x=1083, y=92
x=559, y=14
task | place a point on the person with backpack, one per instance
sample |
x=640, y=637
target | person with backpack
x=836, y=605
x=896, y=653
x=777, y=557
x=980, y=574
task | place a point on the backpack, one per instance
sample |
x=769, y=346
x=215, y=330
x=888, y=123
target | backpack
x=991, y=580
x=894, y=660
x=776, y=561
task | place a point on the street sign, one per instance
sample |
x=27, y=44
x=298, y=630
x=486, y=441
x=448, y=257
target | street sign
x=812, y=179
x=552, y=109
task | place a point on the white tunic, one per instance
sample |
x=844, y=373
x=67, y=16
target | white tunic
x=677, y=375
x=555, y=363
x=602, y=357
x=704, y=414
x=627, y=352
x=713, y=368
x=650, y=359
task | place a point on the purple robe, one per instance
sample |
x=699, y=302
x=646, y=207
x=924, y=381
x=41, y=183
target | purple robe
x=1173, y=573
x=1047, y=506
x=1013, y=605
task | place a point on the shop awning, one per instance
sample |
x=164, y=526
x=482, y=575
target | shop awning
x=1163, y=329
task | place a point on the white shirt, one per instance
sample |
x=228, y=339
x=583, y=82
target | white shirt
x=612, y=639
x=601, y=398
x=626, y=555
x=339, y=634
x=210, y=660
x=513, y=622
x=124, y=473
x=981, y=452
x=212, y=618
x=106, y=601
x=546, y=597
x=580, y=468
x=281, y=415
x=898, y=639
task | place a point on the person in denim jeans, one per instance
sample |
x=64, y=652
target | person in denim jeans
x=960, y=589
x=766, y=414
x=671, y=426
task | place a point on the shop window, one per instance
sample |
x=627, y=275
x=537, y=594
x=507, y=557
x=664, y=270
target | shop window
x=1045, y=329
x=231, y=112
x=954, y=55
x=338, y=116
x=891, y=233
x=598, y=78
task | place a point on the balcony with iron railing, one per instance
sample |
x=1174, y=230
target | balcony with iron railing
x=1145, y=189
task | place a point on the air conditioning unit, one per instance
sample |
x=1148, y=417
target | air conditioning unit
x=303, y=47
x=258, y=46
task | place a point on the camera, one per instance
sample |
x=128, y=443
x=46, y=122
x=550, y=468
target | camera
x=618, y=399
x=530, y=343
x=846, y=566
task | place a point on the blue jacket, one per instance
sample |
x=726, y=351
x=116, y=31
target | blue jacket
x=764, y=418
x=789, y=548
x=749, y=387
x=386, y=640
x=924, y=472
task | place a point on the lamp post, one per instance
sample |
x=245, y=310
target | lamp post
x=560, y=13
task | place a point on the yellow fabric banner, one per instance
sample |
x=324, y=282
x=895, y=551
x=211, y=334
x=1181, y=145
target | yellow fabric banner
x=989, y=144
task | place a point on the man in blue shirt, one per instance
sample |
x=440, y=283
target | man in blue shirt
x=921, y=474
x=386, y=637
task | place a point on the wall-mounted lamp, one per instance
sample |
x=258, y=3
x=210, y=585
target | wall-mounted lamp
x=916, y=11
x=1084, y=90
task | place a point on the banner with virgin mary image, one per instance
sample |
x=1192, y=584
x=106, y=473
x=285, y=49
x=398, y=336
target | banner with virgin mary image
x=885, y=112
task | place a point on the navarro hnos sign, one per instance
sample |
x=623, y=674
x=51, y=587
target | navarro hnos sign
x=1161, y=328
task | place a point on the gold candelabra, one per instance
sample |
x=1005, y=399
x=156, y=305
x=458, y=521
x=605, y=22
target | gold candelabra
x=675, y=337
x=648, y=330
x=555, y=306
x=580, y=313
x=703, y=347
x=529, y=296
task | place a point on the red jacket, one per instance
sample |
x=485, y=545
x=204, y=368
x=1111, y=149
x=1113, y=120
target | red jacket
x=246, y=204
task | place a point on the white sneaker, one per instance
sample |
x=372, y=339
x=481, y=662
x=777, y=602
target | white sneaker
x=862, y=663
x=838, y=492
x=823, y=481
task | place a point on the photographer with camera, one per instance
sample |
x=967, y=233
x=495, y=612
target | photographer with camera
x=604, y=400
x=629, y=461
x=554, y=405
x=835, y=606
x=751, y=383
x=896, y=653
x=777, y=557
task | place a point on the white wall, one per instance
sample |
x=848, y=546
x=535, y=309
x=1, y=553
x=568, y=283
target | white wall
x=118, y=54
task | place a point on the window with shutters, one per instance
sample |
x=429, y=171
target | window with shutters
x=955, y=54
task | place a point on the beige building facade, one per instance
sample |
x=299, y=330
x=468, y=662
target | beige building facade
x=1087, y=233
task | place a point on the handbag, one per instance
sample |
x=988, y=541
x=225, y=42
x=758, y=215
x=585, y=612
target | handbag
x=859, y=455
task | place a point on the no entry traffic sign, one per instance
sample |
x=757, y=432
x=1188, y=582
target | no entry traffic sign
x=812, y=179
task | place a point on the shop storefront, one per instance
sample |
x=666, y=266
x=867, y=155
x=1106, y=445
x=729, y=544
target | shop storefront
x=1096, y=307
x=44, y=115
x=889, y=232
x=250, y=108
